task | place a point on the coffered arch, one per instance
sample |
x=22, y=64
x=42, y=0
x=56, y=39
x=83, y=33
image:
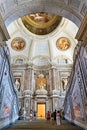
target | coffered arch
x=74, y=10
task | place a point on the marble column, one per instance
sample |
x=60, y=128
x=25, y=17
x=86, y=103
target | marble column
x=29, y=77
x=56, y=76
x=27, y=105
x=35, y=106
x=32, y=80
x=26, y=79
x=50, y=79
x=53, y=78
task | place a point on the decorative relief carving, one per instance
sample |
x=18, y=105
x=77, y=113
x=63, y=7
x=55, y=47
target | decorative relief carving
x=41, y=92
x=19, y=61
x=27, y=92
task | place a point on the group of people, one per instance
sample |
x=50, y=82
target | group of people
x=56, y=116
x=23, y=116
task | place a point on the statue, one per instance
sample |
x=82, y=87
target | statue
x=17, y=84
x=42, y=85
x=64, y=83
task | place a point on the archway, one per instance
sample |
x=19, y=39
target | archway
x=73, y=10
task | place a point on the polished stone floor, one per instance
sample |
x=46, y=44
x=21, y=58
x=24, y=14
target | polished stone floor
x=41, y=125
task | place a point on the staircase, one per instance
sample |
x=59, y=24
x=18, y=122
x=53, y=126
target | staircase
x=42, y=125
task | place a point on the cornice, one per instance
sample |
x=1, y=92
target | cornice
x=82, y=32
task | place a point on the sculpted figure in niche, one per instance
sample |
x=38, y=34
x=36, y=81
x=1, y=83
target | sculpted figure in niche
x=42, y=85
x=17, y=82
x=64, y=83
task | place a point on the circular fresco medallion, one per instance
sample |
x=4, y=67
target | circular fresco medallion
x=18, y=44
x=63, y=43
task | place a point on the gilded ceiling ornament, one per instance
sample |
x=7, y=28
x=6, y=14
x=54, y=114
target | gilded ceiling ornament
x=63, y=43
x=41, y=23
x=18, y=44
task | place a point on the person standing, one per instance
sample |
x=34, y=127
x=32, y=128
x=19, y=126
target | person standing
x=31, y=115
x=58, y=122
x=54, y=116
x=48, y=115
x=34, y=115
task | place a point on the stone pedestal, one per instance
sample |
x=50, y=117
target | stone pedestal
x=27, y=96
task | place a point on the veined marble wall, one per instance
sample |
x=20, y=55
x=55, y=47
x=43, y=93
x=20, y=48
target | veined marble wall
x=8, y=93
x=52, y=92
x=76, y=96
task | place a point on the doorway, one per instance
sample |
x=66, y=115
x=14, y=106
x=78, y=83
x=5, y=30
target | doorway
x=41, y=110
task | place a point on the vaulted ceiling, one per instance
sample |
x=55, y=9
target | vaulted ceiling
x=42, y=50
x=71, y=9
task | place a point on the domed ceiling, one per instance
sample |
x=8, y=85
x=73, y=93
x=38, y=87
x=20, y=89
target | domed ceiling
x=42, y=39
x=41, y=23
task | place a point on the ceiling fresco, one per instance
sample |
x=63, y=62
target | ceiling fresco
x=63, y=43
x=41, y=23
x=18, y=44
